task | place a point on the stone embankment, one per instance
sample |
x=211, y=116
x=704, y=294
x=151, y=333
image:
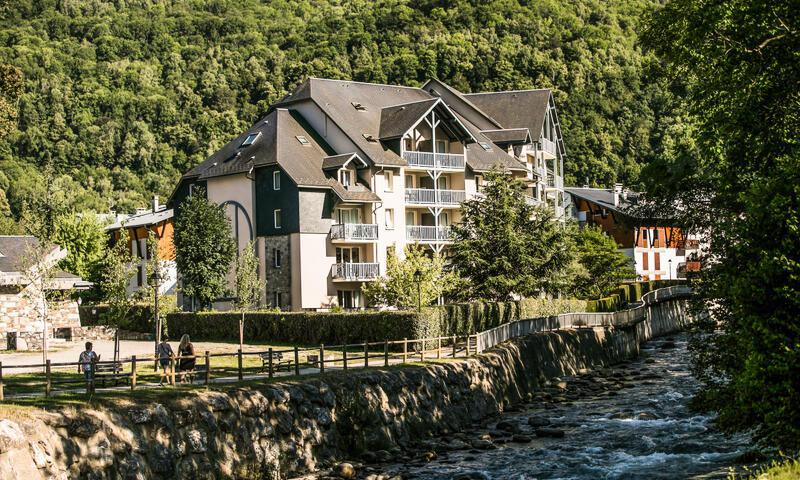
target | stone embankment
x=284, y=429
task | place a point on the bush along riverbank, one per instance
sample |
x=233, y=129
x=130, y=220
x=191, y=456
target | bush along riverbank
x=279, y=429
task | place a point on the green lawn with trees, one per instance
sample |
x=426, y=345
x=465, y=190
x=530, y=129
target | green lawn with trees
x=121, y=98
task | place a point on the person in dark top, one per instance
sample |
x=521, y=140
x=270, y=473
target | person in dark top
x=164, y=354
x=186, y=355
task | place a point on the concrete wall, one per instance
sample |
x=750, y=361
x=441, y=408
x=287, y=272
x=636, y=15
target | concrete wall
x=279, y=430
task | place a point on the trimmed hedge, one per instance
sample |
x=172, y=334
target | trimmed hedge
x=313, y=328
x=307, y=328
x=628, y=293
x=139, y=319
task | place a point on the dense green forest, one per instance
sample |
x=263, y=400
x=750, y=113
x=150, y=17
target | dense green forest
x=121, y=97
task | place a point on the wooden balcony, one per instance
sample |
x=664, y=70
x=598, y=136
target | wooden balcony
x=429, y=196
x=428, y=234
x=434, y=161
x=354, y=232
x=354, y=272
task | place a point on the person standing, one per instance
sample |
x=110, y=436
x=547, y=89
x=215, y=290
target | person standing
x=164, y=354
x=187, y=361
x=86, y=362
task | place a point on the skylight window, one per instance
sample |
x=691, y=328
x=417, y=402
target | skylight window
x=358, y=106
x=485, y=146
x=250, y=139
x=303, y=140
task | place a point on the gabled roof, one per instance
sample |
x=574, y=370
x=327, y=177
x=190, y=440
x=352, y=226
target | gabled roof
x=143, y=220
x=13, y=249
x=482, y=160
x=509, y=135
x=604, y=197
x=516, y=108
x=339, y=161
x=396, y=120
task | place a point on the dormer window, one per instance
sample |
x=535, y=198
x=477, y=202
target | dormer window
x=250, y=139
x=303, y=140
x=358, y=106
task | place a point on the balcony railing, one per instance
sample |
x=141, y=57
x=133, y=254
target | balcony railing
x=454, y=161
x=355, y=271
x=354, y=231
x=548, y=146
x=418, y=233
x=531, y=201
x=554, y=181
x=429, y=196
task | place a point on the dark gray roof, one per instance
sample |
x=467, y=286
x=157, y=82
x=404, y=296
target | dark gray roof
x=396, y=120
x=481, y=160
x=515, y=109
x=509, y=135
x=604, y=197
x=13, y=249
x=338, y=161
x=143, y=220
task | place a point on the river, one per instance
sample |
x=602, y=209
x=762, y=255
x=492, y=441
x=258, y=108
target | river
x=629, y=422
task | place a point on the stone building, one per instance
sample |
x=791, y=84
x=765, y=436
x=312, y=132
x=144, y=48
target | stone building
x=20, y=319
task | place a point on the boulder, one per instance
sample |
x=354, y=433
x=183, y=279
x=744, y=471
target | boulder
x=345, y=470
x=549, y=432
x=11, y=436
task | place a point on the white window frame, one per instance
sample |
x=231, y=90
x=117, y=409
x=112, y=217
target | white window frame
x=276, y=180
x=388, y=177
x=389, y=218
x=407, y=183
x=346, y=173
x=277, y=218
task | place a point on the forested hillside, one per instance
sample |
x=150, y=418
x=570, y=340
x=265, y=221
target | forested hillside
x=121, y=97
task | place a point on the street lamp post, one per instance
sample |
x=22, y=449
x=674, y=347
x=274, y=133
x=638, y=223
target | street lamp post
x=669, y=273
x=155, y=281
x=418, y=280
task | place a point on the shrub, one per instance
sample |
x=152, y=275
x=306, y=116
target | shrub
x=140, y=317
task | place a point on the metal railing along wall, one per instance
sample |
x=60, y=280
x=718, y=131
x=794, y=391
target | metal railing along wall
x=355, y=271
x=419, y=233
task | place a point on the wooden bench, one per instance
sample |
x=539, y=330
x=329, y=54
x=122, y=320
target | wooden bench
x=199, y=369
x=278, y=363
x=110, y=371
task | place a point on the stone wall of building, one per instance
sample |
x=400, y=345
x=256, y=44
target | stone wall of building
x=20, y=324
x=279, y=279
x=278, y=430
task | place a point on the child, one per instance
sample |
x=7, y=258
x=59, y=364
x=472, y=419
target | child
x=85, y=361
x=164, y=353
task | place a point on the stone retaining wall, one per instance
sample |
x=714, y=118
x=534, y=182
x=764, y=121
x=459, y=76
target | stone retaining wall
x=273, y=431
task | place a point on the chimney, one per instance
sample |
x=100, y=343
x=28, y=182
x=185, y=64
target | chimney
x=617, y=192
x=154, y=203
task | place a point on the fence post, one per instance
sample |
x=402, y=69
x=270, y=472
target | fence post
x=386, y=353
x=344, y=357
x=208, y=368
x=366, y=354
x=322, y=358
x=296, y=361
x=49, y=385
x=172, y=370
x=269, y=364
x=2, y=394
x=438, y=347
x=405, y=350
x=93, y=366
x=469, y=339
x=133, y=372
x=239, y=362
x=455, y=346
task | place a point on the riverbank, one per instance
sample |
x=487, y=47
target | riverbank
x=286, y=428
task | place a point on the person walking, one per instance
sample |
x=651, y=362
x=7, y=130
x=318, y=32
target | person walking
x=86, y=362
x=164, y=354
x=186, y=357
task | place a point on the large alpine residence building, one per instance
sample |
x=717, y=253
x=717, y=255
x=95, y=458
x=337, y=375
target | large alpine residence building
x=338, y=172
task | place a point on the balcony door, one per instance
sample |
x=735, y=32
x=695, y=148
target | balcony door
x=348, y=255
x=349, y=298
x=443, y=182
x=349, y=215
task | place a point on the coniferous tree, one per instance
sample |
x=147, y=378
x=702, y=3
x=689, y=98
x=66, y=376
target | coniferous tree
x=505, y=247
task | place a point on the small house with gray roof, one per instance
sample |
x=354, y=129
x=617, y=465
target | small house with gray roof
x=338, y=173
